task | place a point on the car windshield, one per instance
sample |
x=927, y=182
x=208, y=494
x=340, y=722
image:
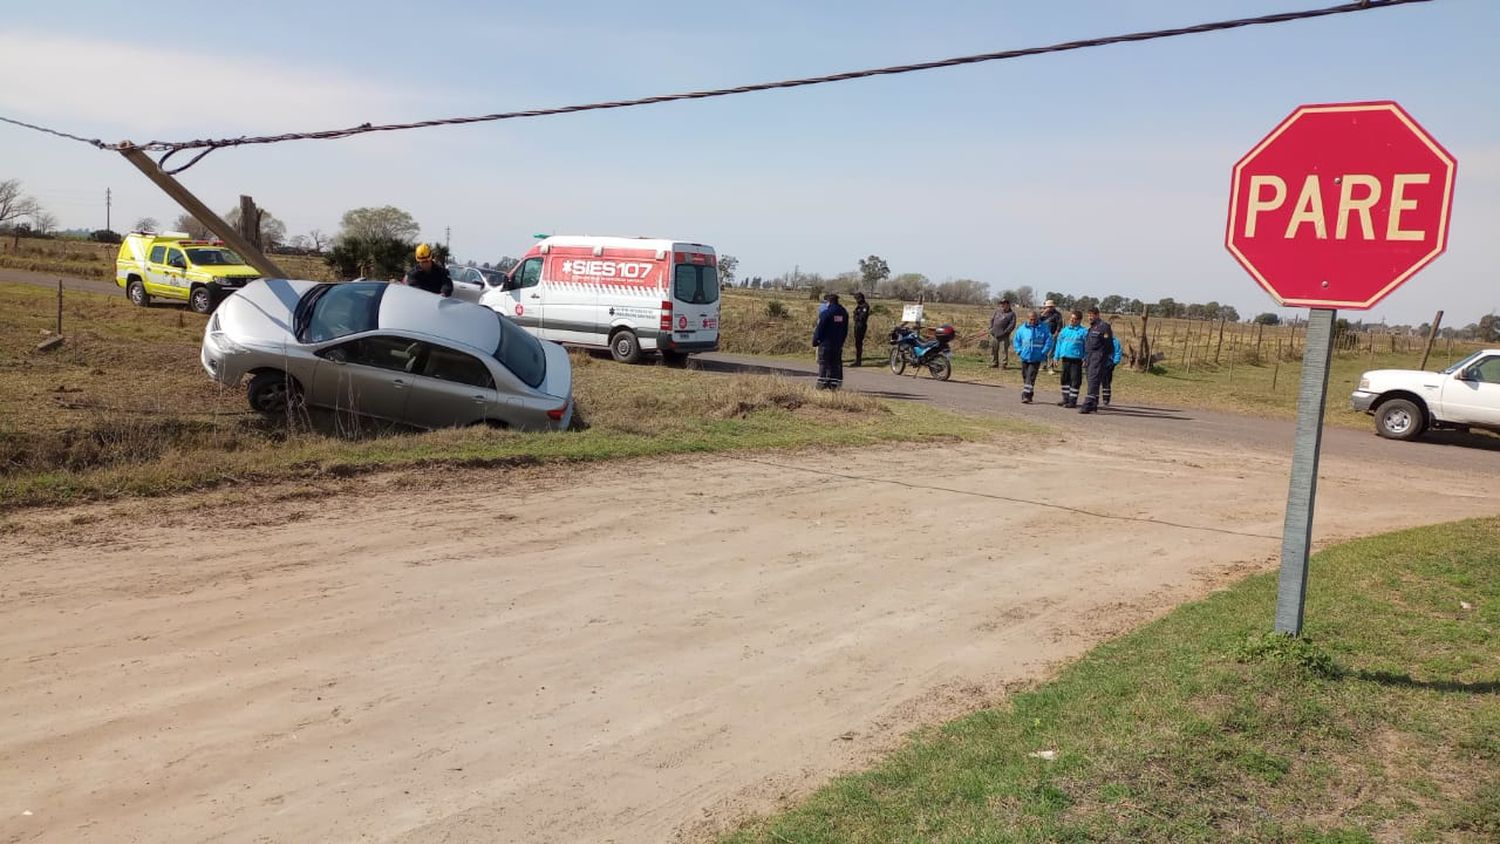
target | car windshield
x=1461, y=365
x=337, y=310
x=696, y=284
x=521, y=353
x=214, y=257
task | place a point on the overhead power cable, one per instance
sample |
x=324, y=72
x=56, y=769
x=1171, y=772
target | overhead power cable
x=209, y=145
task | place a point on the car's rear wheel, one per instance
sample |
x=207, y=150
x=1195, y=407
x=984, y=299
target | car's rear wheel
x=135, y=291
x=624, y=347
x=201, y=300
x=271, y=393
x=1400, y=419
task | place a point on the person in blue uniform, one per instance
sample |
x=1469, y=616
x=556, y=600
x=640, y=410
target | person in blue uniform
x=1033, y=343
x=1098, y=354
x=1069, y=350
x=1107, y=384
x=828, y=338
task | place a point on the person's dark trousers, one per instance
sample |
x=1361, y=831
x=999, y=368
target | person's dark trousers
x=1029, y=369
x=1072, y=380
x=1096, y=367
x=1000, y=346
x=830, y=366
x=1107, y=382
x=859, y=345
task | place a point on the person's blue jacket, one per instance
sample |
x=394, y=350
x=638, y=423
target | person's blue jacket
x=1032, y=342
x=1070, y=341
x=833, y=326
x=1114, y=360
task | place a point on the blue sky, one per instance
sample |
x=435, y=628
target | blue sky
x=1098, y=171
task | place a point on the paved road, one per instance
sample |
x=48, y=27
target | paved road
x=1445, y=450
x=1438, y=450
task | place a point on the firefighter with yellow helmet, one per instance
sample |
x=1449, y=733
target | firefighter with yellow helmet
x=428, y=274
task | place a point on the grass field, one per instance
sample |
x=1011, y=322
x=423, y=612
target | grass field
x=124, y=408
x=1383, y=724
x=85, y=259
x=1242, y=381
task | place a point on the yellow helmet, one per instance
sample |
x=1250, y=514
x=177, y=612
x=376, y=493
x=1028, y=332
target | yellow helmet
x=423, y=251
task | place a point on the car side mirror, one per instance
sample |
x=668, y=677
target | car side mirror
x=179, y=263
x=1469, y=374
x=338, y=356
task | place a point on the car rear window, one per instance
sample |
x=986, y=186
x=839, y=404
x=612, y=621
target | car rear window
x=521, y=353
x=695, y=284
x=338, y=310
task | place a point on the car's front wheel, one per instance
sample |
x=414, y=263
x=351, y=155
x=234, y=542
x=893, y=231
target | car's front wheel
x=1400, y=419
x=271, y=393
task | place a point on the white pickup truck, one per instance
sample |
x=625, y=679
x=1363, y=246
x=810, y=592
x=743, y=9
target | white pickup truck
x=1406, y=402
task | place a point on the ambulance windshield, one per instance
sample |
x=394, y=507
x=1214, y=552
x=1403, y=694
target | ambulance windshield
x=696, y=284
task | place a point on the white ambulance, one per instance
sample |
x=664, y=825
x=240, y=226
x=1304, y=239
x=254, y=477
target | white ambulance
x=633, y=296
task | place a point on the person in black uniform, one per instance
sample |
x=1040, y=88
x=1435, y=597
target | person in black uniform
x=1098, y=355
x=828, y=339
x=428, y=274
x=861, y=325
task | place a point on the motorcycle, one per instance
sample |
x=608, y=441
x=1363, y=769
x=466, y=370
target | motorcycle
x=909, y=349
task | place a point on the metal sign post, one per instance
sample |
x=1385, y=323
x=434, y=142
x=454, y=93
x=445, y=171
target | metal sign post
x=1296, y=535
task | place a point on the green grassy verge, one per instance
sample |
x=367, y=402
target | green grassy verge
x=124, y=409
x=1383, y=724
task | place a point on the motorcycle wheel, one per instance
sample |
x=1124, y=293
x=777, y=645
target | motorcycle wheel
x=940, y=367
x=898, y=361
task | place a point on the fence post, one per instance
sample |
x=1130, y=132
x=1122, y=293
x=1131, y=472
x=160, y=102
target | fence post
x=59, y=307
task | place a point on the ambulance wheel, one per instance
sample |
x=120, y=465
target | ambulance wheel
x=135, y=291
x=940, y=368
x=624, y=347
x=898, y=361
x=201, y=300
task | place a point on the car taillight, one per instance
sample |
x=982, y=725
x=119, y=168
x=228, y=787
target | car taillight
x=556, y=414
x=666, y=315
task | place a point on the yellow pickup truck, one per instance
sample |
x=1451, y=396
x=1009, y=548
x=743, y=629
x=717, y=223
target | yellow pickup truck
x=168, y=265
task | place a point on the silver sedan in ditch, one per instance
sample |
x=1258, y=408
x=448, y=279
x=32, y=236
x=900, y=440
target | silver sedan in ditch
x=388, y=352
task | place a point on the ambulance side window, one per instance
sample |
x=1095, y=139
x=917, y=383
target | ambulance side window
x=528, y=274
x=158, y=254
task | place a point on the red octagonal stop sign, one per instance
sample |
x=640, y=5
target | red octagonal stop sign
x=1340, y=204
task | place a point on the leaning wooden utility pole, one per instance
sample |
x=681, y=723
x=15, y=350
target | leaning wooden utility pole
x=194, y=206
x=1431, y=335
x=1143, y=363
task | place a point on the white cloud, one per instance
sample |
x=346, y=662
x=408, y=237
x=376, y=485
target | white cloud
x=151, y=88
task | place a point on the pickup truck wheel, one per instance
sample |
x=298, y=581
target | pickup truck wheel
x=135, y=291
x=1399, y=419
x=625, y=347
x=201, y=300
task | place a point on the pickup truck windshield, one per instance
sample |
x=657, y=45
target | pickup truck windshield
x=213, y=257
x=1458, y=367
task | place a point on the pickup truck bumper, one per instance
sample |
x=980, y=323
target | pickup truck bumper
x=1362, y=401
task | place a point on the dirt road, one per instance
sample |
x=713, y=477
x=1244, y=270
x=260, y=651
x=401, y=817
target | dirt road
x=627, y=652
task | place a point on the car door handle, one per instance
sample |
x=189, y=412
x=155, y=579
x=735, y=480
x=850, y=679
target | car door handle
x=479, y=398
x=398, y=383
x=536, y=295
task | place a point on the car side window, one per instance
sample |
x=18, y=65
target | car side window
x=528, y=274
x=394, y=353
x=448, y=364
x=1488, y=370
x=158, y=254
x=175, y=258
